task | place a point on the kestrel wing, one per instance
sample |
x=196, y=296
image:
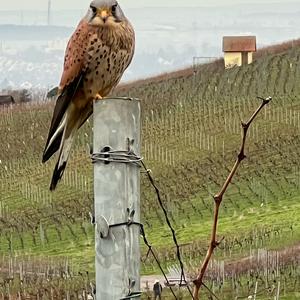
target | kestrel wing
x=86, y=113
x=75, y=54
x=74, y=67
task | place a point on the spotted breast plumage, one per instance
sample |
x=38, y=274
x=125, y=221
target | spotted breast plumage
x=97, y=55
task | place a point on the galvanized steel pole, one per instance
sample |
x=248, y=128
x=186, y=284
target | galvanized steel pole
x=117, y=199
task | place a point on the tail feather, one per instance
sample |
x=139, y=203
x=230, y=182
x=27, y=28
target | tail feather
x=54, y=141
x=63, y=138
x=57, y=174
x=52, y=147
x=64, y=152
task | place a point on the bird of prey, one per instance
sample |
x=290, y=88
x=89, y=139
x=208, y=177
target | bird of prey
x=98, y=53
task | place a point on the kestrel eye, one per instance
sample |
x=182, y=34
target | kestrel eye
x=94, y=9
x=114, y=8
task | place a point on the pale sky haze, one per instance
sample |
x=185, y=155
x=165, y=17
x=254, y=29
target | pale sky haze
x=82, y=4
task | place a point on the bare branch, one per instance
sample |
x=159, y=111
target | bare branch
x=219, y=197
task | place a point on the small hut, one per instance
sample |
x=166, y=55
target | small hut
x=6, y=100
x=238, y=50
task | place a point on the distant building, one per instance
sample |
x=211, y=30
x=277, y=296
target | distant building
x=238, y=50
x=6, y=100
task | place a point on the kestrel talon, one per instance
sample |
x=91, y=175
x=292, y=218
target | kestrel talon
x=98, y=53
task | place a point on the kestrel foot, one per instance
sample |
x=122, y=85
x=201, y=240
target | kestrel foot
x=98, y=97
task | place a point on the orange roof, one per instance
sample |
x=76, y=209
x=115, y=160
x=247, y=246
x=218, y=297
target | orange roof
x=239, y=44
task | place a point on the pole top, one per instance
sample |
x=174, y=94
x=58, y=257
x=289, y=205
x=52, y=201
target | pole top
x=119, y=98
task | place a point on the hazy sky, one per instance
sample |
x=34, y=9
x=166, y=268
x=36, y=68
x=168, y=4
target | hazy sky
x=82, y=4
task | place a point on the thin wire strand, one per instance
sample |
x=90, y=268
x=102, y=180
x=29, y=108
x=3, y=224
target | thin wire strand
x=178, y=254
x=210, y=291
x=150, y=250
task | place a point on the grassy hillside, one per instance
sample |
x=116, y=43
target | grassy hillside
x=191, y=133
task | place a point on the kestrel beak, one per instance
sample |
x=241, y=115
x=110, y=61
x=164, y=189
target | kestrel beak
x=103, y=14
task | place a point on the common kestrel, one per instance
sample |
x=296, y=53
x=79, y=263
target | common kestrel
x=98, y=53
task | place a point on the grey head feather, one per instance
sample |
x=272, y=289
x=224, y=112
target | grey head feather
x=119, y=15
x=103, y=3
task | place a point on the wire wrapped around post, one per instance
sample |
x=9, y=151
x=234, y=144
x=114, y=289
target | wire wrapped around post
x=108, y=155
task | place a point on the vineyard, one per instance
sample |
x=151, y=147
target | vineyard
x=190, y=131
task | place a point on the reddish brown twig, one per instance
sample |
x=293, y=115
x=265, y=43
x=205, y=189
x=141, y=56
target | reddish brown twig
x=218, y=200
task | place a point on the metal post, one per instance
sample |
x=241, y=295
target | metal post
x=49, y=13
x=117, y=200
x=278, y=291
x=255, y=291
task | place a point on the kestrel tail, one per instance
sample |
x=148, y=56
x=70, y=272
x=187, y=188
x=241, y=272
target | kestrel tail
x=98, y=53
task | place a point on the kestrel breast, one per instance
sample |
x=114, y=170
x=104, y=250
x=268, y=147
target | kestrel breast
x=106, y=65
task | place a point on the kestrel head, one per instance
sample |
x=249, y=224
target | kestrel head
x=105, y=13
